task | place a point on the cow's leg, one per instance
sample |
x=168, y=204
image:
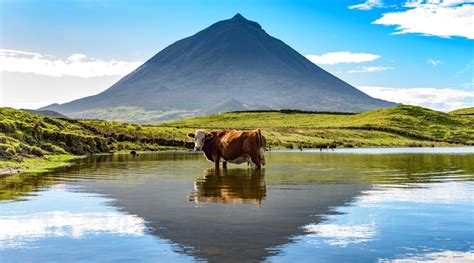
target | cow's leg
x=255, y=159
x=216, y=161
x=224, y=165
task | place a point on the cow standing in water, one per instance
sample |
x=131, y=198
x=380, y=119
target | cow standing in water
x=231, y=146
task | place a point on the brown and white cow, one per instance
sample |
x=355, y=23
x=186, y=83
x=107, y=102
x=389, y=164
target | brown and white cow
x=231, y=146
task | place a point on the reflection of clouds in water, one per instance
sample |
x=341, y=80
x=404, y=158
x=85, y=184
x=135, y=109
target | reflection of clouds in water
x=61, y=213
x=339, y=235
x=62, y=222
x=17, y=230
x=445, y=193
x=59, y=188
x=444, y=256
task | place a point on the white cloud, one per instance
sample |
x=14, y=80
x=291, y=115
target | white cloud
x=415, y=3
x=333, y=58
x=434, y=62
x=445, y=99
x=76, y=65
x=469, y=68
x=339, y=235
x=369, y=69
x=367, y=5
x=433, y=17
x=43, y=90
x=77, y=57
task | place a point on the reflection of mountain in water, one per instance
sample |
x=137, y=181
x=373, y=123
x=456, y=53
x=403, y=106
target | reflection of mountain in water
x=237, y=186
x=227, y=231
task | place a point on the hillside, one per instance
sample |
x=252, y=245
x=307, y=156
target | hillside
x=233, y=64
x=23, y=133
x=465, y=111
x=24, y=136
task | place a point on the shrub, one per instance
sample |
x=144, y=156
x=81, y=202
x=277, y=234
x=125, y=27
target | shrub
x=52, y=148
x=36, y=151
x=10, y=152
x=6, y=151
x=7, y=127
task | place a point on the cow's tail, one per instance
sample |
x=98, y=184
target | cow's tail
x=261, y=146
x=259, y=138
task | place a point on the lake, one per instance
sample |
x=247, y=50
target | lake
x=355, y=205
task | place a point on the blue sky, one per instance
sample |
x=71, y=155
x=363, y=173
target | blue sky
x=417, y=47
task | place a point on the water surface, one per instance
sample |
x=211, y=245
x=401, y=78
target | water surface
x=350, y=205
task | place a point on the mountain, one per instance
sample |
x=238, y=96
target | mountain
x=226, y=106
x=233, y=60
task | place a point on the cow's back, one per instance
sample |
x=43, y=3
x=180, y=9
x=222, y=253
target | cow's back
x=235, y=144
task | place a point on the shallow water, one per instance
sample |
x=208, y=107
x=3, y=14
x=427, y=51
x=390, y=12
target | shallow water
x=351, y=205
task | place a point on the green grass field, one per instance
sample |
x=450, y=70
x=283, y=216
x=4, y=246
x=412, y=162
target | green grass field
x=30, y=142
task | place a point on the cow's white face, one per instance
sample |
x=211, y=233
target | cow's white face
x=199, y=138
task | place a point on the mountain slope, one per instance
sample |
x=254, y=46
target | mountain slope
x=231, y=59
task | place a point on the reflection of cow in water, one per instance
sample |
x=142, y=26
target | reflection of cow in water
x=239, y=186
x=231, y=146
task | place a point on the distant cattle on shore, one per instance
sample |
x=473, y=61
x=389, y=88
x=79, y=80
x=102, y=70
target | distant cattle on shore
x=231, y=146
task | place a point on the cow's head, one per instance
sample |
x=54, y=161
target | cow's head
x=199, y=138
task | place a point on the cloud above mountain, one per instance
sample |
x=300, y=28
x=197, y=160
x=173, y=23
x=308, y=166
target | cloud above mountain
x=333, y=58
x=76, y=65
x=369, y=69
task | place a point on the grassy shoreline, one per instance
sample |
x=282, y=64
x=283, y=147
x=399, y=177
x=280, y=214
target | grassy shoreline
x=36, y=164
x=50, y=163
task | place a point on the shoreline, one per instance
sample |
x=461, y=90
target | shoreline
x=53, y=162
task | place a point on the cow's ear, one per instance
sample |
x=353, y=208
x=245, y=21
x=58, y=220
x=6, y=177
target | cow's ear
x=209, y=135
x=191, y=135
